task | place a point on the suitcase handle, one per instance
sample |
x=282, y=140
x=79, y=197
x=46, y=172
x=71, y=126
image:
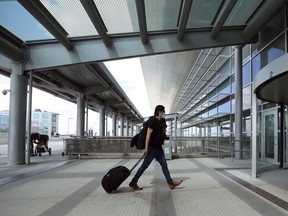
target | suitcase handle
x=137, y=163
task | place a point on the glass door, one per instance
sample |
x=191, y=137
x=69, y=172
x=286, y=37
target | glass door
x=270, y=137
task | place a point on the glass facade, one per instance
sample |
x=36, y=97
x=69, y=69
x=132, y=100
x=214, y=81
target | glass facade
x=215, y=113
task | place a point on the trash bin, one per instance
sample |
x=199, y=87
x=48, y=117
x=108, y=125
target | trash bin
x=167, y=150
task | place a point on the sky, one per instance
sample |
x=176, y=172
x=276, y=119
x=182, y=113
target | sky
x=128, y=73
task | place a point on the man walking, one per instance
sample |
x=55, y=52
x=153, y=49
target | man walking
x=153, y=149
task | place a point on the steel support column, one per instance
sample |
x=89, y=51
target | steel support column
x=282, y=136
x=102, y=122
x=254, y=135
x=28, y=140
x=127, y=127
x=80, y=116
x=132, y=129
x=175, y=127
x=17, y=116
x=238, y=102
x=87, y=115
x=122, y=126
x=114, y=124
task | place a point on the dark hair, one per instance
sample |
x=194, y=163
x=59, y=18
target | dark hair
x=159, y=108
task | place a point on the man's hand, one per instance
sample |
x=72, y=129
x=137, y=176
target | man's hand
x=145, y=151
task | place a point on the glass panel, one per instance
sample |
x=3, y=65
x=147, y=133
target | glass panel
x=246, y=78
x=246, y=53
x=119, y=16
x=232, y=84
x=19, y=22
x=225, y=91
x=224, y=108
x=247, y=125
x=272, y=52
x=202, y=13
x=247, y=98
x=241, y=12
x=72, y=16
x=233, y=64
x=269, y=136
x=269, y=32
x=161, y=14
x=255, y=66
x=213, y=111
x=213, y=129
x=233, y=106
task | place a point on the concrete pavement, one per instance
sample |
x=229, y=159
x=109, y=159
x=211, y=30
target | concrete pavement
x=59, y=186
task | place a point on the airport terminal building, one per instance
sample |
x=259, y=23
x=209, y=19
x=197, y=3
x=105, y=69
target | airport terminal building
x=219, y=67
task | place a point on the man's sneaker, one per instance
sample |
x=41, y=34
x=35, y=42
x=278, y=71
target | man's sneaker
x=172, y=185
x=135, y=186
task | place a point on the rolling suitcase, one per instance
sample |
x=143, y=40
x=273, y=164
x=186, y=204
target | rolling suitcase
x=116, y=176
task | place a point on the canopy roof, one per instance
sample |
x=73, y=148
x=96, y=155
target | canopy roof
x=65, y=43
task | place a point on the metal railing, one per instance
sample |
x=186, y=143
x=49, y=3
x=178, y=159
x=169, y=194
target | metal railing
x=209, y=146
x=3, y=138
x=89, y=146
x=182, y=146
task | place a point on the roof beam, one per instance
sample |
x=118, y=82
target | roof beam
x=46, y=79
x=12, y=52
x=98, y=76
x=5, y=73
x=97, y=20
x=115, y=94
x=222, y=16
x=110, y=87
x=113, y=102
x=94, y=99
x=128, y=46
x=11, y=38
x=95, y=90
x=185, y=11
x=262, y=16
x=39, y=11
x=10, y=46
x=62, y=80
x=140, y=6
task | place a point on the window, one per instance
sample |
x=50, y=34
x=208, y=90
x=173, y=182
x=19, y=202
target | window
x=255, y=65
x=246, y=53
x=270, y=32
x=224, y=108
x=45, y=116
x=213, y=111
x=247, y=98
x=246, y=74
x=272, y=52
x=36, y=115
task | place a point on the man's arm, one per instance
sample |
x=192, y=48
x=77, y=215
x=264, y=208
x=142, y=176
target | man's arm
x=148, y=135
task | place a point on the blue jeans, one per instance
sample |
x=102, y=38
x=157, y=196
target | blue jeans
x=158, y=154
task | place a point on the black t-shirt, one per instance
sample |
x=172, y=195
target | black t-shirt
x=157, y=136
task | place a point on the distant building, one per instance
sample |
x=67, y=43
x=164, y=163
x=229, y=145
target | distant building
x=4, y=119
x=46, y=122
x=42, y=122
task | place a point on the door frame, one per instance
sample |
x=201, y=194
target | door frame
x=263, y=143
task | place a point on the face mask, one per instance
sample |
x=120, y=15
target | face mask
x=163, y=116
